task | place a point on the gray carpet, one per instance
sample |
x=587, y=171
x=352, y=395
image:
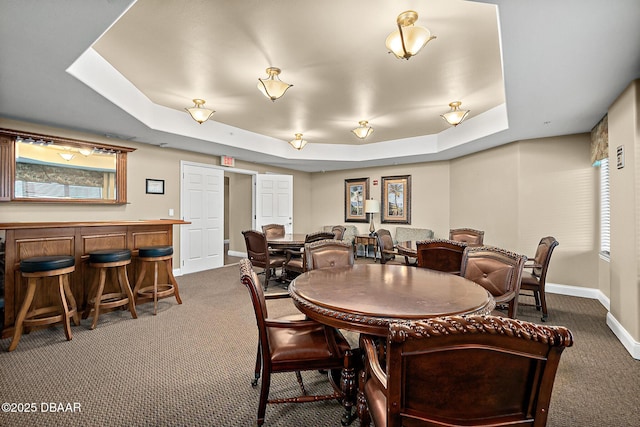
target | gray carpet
x=191, y=365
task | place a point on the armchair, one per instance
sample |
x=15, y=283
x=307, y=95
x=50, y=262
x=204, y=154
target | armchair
x=461, y=370
x=291, y=346
x=498, y=271
x=441, y=255
x=468, y=235
x=259, y=254
x=534, y=277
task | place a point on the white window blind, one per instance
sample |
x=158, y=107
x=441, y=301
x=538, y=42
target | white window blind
x=605, y=217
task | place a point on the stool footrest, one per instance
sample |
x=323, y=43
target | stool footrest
x=34, y=319
x=111, y=300
x=164, y=290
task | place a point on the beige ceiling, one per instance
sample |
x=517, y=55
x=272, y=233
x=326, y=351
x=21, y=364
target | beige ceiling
x=333, y=53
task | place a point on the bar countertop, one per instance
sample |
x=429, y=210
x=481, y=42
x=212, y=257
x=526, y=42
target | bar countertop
x=61, y=224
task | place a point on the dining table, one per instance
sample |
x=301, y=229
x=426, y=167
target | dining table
x=366, y=298
x=288, y=241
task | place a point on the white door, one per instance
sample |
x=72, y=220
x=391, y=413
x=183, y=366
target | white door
x=202, y=203
x=274, y=200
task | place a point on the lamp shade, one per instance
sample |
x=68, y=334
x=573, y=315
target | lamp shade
x=455, y=116
x=363, y=130
x=272, y=87
x=198, y=112
x=408, y=39
x=298, y=143
x=371, y=206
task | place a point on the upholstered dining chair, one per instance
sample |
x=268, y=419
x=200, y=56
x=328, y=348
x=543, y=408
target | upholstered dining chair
x=498, y=271
x=260, y=256
x=386, y=247
x=534, y=276
x=461, y=370
x=328, y=253
x=291, y=346
x=273, y=230
x=441, y=255
x=295, y=262
x=468, y=235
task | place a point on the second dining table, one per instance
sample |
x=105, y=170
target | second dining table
x=366, y=298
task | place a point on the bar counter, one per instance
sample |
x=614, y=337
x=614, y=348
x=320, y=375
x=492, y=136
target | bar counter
x=29, y=239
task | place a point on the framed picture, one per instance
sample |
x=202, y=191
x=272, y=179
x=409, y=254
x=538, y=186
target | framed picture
x=155, y=186
x=396, y=199
x=356, y=191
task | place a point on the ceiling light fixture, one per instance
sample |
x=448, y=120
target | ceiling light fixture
x=298, y=143
x=67, y=156
x=363, y=130
x=85, y=151
x=408, y=39
x=455, y=116
x=272, y=87
x=198, y=112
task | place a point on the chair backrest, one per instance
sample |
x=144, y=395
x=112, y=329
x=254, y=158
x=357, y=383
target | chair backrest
x=468, y=235
x=543, y=256
x=385, y=245
x=328, y=253
x=497, y=270
x=441, y=255
x=273, y=230
x=257, y=248
x=472, y=370
x=319, y=235
x=338, y=231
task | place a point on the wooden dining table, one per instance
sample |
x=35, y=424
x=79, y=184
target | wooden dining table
x=366, y=298
x=292, y=240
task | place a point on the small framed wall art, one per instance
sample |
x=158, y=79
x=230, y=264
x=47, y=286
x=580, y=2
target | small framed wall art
x=356, y=191
x=155, y=186
x=396, y=199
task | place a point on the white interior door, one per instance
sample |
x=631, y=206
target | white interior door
x=274, y=200
x=202, y=203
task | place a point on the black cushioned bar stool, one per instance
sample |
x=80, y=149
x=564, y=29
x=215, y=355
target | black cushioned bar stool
x=156, y=254
x=41, y=268
x=117, y=259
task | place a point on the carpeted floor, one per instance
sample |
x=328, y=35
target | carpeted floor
x=191, y=365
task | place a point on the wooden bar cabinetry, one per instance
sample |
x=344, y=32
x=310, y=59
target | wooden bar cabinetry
x=25, y=240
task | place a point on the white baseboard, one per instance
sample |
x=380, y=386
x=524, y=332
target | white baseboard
x=632, y=346
x=237, y=254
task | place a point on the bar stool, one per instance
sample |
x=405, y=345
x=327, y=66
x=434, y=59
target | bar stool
x=156, y=254
x=103, y=260
x=40, y=268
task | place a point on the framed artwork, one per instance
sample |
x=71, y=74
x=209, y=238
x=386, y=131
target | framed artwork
x=356, y=191
x=396, y=199
x=155, y=186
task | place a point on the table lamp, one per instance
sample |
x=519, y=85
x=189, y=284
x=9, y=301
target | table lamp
x=371, y=207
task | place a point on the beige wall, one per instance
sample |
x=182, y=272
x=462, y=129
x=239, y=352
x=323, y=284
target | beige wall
x=624, y=130
x=430, y=196
x=517, y=193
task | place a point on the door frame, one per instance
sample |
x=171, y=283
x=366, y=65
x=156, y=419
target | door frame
x=183, y=236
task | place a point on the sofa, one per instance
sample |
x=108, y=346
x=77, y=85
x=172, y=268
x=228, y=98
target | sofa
x=350, y=232
x=404, y=234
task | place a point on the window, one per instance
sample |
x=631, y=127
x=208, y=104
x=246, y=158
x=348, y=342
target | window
x=605, y=223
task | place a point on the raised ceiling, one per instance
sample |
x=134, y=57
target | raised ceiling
x=129, y=69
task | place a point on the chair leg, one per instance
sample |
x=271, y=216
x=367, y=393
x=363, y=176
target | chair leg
x=361, y=407
x=256, y=375
x=138, y=284
x=65, y=309
x=264, y=396
x=98, y=296
x=28, y=299
x=125, y=287
x=172, y=281
x=72, y=300
x=543, y=302
x=155, y=288
x=536, y=296
x=300, y=383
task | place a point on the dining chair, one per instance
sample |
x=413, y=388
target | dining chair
x=291, y=346
x=386, y=246
x=328, y=253
x=273, y=230
x=260, y=256
x=441, y=255
x=295, y=262
x=534, y=277
x=461, y=370
x=498, y=271
x=470, y=236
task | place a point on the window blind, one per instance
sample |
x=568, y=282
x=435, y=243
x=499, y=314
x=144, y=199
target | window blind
x=605, y=217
